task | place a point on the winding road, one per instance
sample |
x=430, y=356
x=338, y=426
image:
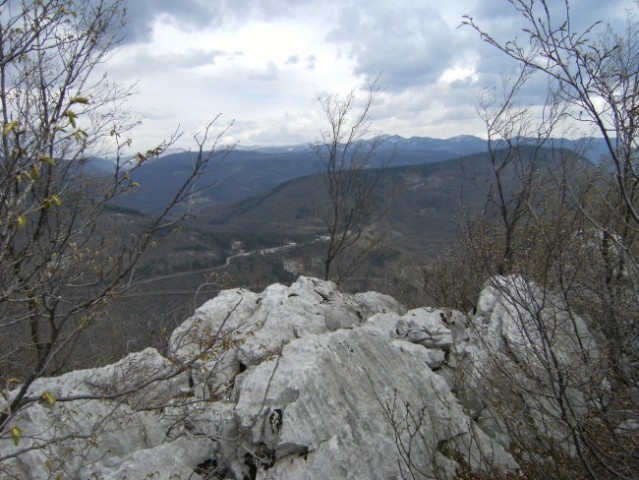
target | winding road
x=227, y=263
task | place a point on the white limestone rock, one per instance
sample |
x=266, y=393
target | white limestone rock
x=99, y=417
x=426, y=327
x=294, y=382
x=71, y=437
x=329, y=405
x=239, y=329
x=145, y=378
x=175, y=460
x=433, y=358
x=518, y=335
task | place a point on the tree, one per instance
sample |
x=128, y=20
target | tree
x=59, y=265
x=350, y=181
x=573, y=233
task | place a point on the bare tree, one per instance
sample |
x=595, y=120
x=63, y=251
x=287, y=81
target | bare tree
x=350, y=181
x=59, y=265
x=572, y=233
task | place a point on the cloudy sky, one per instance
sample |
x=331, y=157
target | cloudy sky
x=263, y=63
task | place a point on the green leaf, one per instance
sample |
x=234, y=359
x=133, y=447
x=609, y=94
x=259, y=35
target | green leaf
x=9, y=127
x=48, y=160
x=52, y=201
x=71, y=115
x=34, y=172
x=81, y=100
x=48, y=398
x=79, y=135
x=21, y=221
x=16, y=434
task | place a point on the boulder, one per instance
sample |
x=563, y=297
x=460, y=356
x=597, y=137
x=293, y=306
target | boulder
x=426, y=327
x=518, y=343
x=181, y=458
x=305, y=381
x=239, y=328
x=322, y=384
x=333, y=406
x=97, y=420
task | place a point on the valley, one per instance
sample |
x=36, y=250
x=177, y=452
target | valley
x=277, y=235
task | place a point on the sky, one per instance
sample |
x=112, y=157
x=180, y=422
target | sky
x=263, y=64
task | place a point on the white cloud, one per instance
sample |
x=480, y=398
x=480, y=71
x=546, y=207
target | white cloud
x=264, y=62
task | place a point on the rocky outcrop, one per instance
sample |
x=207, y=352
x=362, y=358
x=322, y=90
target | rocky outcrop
x=526, y=356
x=92, y=423
x=292, y=383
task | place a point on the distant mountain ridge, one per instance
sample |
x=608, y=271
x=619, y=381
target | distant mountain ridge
x=592, y=148
x=247, y=172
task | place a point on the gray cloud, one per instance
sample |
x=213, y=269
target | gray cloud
x=408, y=41
x=151, y=63
x=194, y=14
x=296, y=60
x=582, y=12
x=310, y=62
x=194, y=58
x=411, y=42
x=504, y=23
x=142, y=13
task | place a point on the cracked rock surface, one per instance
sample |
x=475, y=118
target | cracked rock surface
x=295, y=382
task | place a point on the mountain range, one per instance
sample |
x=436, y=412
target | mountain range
x=260, y=201
x=246, y=172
